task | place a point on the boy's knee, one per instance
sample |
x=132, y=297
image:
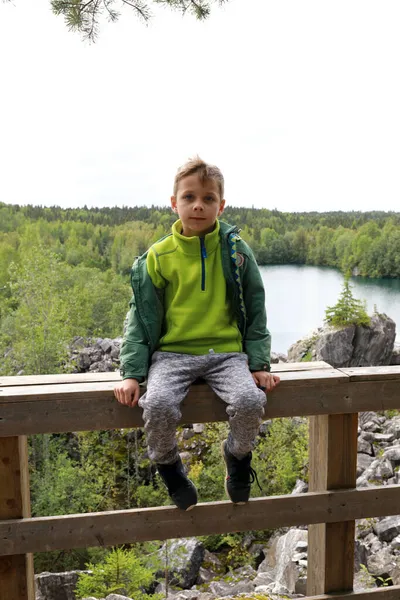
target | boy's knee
x=250, y=404
x=160, y=410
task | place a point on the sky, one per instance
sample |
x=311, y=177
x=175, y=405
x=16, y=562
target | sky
x=298, y=103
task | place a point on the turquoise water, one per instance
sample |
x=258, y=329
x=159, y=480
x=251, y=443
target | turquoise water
x=297, y=297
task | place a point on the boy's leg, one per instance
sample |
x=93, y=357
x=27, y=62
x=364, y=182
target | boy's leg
x=229, y=376
x=170, y=376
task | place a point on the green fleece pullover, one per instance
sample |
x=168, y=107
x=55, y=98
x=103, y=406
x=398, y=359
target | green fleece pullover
x=198, y=315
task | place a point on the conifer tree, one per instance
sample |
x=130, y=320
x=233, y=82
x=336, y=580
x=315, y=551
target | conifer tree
x=84, y=15
x=348, y=310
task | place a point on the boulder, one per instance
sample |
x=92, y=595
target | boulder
x=351, y=346
x=388, y=528
x=185, y=558
x=56, y=586
x=373, y=345
x=286, y=571
x=335, y=346
x=382, y=563
x=233, y=588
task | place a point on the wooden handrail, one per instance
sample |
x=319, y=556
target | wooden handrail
x=333, y=397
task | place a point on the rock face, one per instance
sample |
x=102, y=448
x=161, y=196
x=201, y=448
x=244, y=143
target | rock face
x=56, y=586
x=350, y=346
x=185, y=558
x=94, y=355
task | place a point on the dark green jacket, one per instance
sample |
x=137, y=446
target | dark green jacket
x=245, y=288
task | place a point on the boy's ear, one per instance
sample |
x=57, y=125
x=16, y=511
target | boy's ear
x=173, y=204
x=221, y=207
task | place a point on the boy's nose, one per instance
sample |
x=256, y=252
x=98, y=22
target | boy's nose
x=198, y=205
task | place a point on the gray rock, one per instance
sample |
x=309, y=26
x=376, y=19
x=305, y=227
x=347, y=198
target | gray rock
x=222, y=588
x=364, y=527
x=301, y=487
x=264, y=578
x=102, y=366
x=381, y=563
x=188, y=595
x=185, y=558
x=57, y=586
x=205, y=576
x=367, y=416
x=364, y=447
x=360, y=555
x=105, y=345
x=117, y=597
x=373, y=345
x=388, y=528
x=198, y=427
x=286, y=571
x=363, y=462
x=384, y=438
x=384, y=470
x=393, y=454
x=335, y=346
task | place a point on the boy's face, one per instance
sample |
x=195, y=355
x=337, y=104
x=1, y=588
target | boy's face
x=197, y=204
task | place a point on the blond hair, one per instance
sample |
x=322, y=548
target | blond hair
x=205, y=171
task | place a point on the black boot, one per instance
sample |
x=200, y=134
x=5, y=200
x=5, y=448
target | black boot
x=181, y=490
x=239, y=476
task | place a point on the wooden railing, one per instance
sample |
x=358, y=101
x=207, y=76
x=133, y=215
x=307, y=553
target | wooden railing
x=331, y=397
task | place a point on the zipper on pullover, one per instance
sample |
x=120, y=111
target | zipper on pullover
x=203, y=255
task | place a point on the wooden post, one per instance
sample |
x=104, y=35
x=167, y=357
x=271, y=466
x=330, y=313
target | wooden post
x=16, y=572
x=333, y=465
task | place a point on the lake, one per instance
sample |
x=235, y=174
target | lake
x=297, y=296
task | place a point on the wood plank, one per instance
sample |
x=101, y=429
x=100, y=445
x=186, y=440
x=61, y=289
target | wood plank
x=83, y=410
x=50, y=392
x=333, y=465
x=372, y=373
x=16, y=572
x=137, y=525
x=299, y=366
x=382, y=593
x=24, y=380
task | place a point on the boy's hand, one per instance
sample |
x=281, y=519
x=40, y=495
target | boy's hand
x=265, y=381
x=127, y=392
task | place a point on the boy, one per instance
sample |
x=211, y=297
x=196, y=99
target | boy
x=198, y=311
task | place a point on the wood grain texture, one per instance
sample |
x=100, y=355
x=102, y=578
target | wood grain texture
x=16, y=572
x=85, y=407
x=333, y=465
x=42, y=534
x=383, y=593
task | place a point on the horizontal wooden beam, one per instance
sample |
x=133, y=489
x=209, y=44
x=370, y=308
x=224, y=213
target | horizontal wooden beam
x=42, y=534
x=382, y=593
x=59, y=378
x=55, y=408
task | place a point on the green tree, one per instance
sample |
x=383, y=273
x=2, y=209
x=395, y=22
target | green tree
x=348, y=310
x=122, y=572
x=84, y=15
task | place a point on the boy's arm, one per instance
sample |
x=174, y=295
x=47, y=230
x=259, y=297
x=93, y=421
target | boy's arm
x=257, y=340
x=134, y=354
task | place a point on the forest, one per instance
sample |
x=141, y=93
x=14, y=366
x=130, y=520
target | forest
x=65, y=273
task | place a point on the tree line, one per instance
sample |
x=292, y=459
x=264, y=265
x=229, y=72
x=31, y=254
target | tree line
x=366, y=244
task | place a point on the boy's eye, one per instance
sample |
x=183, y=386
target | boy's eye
x=209, y=198
x=188, y=196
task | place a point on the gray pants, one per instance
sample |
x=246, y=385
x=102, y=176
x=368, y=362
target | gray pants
x=169, y=379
